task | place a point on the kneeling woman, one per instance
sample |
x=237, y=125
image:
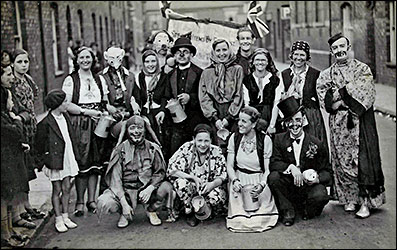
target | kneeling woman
x=251, y=204
x=198, y=168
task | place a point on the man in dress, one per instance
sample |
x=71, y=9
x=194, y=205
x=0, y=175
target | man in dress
x=347, y=90
x=294, y=153
x=135, y=173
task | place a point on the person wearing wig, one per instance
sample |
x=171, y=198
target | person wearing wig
x=300, y=82
x=263, y=88
x=220, y=88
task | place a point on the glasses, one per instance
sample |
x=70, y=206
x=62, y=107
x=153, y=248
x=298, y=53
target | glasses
x=182, y=52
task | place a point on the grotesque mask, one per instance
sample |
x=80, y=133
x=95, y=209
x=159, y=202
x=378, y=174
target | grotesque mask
x=114, y=57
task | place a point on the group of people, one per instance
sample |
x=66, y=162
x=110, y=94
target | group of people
x=238, y=138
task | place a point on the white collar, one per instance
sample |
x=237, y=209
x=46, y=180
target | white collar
x=303, y=72
x=184, y=67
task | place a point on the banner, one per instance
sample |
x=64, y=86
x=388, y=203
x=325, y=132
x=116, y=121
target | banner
x=202, y=37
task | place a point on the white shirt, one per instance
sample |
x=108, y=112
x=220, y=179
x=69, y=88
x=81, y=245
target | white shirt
x=266, y=80
x=297, y=152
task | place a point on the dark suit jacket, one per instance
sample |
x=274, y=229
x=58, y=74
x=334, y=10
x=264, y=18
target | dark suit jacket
x=49, y=143
x=283, y=156
x=310, y=99
x=192, y=108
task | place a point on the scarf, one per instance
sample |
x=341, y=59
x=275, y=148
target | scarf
x=220, y=71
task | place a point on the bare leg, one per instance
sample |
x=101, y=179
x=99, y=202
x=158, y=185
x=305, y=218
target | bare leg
x=81, y=186
x=65, y=194
x=55, y=197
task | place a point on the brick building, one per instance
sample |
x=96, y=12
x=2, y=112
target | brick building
x=44, y=27
x=370, y=26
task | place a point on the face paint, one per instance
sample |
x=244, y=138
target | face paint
x=295, y=125
x=136, y=133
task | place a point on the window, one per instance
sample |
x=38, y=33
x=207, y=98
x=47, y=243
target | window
x=56, y=46
x=392, y=32
x=347, y=21
x=81, y=27
x=305, y=6
x=69, y=23
x=94, y=26
x=296, y=12
x=113, y=30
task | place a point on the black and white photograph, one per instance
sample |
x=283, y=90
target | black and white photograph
x=198, y=124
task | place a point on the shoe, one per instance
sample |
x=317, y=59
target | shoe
x=188, y=210
x=191, y=220
x=20, y=237
x=35, y=213
x=305, y=216
x=172, y=216
x=77, y=212
x=91, y=206
x=12, y=243
x=24, y=223
x=153, y=218
x=26, y=216
x=363, y=212
x=288, y=217
x=123, y=222
x=60, y=226
x=350, y=207
x=69, y=223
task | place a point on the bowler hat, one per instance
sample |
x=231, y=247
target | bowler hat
x=183, y=42
x=289, y=107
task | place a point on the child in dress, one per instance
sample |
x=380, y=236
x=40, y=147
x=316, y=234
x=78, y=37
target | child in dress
x=57, y=151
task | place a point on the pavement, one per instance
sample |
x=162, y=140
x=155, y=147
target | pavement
x=40, y=194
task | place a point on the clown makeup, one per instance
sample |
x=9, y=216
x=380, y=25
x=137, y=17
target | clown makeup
x=7, y=77
x=151, y=64
x=260, y=62
x=299, y=58
x=222, y=51
x=340, y=48
x=183, y=56
x=21, y=64
x=202, y=141
x=295, y=125
x=246, y=41
x=84, y=60
x=136, y=133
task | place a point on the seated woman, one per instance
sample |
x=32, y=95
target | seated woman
x=249, y=151
x=198, y=168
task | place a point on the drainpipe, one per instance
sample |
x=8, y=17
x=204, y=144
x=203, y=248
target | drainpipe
x=330, y=30
x=44, y=58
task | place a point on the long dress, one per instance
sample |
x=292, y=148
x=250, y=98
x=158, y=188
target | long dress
x=265, y=218
x=354, y=139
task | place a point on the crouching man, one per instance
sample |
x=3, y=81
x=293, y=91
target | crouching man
x=135, y=174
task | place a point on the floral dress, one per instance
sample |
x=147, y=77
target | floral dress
x=186, y=160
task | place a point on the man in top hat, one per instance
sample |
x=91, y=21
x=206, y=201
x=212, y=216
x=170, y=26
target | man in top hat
x=347, y=91
x=183, y=86
x=294, y=152
x=135, y=174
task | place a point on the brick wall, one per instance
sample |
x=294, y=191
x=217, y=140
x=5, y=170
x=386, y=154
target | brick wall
x=42, y=67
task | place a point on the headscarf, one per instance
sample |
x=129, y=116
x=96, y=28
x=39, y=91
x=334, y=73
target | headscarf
x=18, y=52
x=220, y=67
x=301, y=45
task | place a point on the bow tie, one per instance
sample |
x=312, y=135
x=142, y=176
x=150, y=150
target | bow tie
x=298, y=140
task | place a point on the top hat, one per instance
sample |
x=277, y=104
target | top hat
x=289, y=107
x=183, y=42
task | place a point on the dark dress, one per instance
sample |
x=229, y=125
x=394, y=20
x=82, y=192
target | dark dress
x=14, y=177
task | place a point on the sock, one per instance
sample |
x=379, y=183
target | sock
x=65, y=215
x=58, y=219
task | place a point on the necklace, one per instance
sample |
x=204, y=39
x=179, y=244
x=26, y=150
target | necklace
x=248, y=145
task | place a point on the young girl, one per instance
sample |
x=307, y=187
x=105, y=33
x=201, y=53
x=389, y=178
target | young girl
x=57, y=150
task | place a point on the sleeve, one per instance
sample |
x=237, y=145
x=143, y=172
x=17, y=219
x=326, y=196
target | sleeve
x=206, y=103
x=67, y=87
x=114, y=176
x=230, y=145
x=104, y=85
x=194, y=99
x=220, y=165
x=179, y=160
x=238, y=98
x=277, y=162
x=246, y=96
x=323, y=84
x=268, y=147
x=158, y=168
x=40, y=142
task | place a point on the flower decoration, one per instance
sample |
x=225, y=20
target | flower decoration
x=289, y=149
x=312, y=150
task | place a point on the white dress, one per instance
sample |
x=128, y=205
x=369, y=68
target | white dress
x=70, y=166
